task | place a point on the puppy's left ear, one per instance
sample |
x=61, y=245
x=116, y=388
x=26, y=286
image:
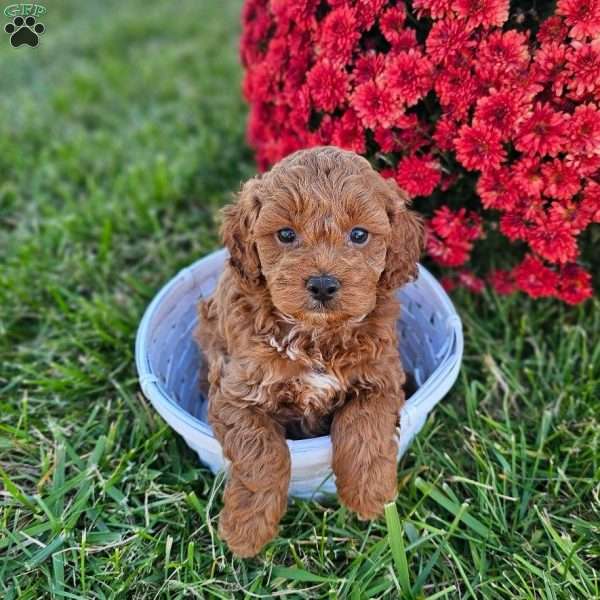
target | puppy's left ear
x=407, y=241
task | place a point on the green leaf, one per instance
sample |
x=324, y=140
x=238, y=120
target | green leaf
x=396, y=542
x=295, y=574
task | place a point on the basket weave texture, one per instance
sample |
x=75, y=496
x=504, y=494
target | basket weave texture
x=167, y=359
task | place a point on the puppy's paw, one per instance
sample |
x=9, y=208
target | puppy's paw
x=250, y=519
x=245, y=534
x=368, y=504
x=368, y=488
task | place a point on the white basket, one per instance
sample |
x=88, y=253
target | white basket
x=167, y=359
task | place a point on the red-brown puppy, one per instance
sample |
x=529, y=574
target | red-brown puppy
x=300, y=335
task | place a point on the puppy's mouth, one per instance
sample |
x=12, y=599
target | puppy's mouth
x=324, y=311
x=321, y=306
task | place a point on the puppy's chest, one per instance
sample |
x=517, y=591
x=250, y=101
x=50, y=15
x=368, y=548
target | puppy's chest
x=312, y=391
x=308, y=382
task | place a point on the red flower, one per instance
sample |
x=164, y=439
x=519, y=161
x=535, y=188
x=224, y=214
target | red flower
x=436, y=9
x=553, y=29
x=576, y=216
x=324, y=134
x=299, y=12
x=386, y=139
x=527, y=172
x=277, y=53
x=300, y=110
x=456, y=89
x=532, y=277
x=299, y=60
x=366, y=11
x=586, y=166
x=530, y=208
x=446, y=130
x=487, y=13
x=391, y=139
x=543, y=132
x=412, y=140
x=471, y=282
x=418, y=175
x=562, y=181
x=387, y=173
x=508, y=48
x=448, y=38
x=391, y=23
x=448, y=283
x=409, y=75
x=479, y=147
x=584, y=135
x=583, y=16
x=590, y=204
x=501, y=54
x=395, y=138
x=368, y=67
x=259, y=114
x=259, y=82
x=549, y=66
x=574, y=284
x=376, y=104
x=328, y=85
x=500, y=111
x=256, y=31
x=448, y=253
x=458, y=225
x=405, y=40
x=349, y=133
x=520, y=80
x=339, y=33
x=502, y=282
x=583, y=65
x=553, y=241
x=447, y=181
x=515, y=225
x=276, y=147
x=497, y=189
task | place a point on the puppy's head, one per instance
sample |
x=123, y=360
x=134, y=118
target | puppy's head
x=325, y=233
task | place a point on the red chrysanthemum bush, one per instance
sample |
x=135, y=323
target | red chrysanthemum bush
x=491, y=121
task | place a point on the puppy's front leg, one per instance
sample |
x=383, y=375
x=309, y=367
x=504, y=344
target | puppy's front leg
x=363, y=435
x=255, y=496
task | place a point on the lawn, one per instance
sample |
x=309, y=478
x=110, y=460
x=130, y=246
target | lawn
x=121, y=136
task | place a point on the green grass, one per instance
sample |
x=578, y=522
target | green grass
x=120, y=137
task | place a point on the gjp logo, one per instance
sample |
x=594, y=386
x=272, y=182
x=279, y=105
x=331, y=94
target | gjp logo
x=25, y=27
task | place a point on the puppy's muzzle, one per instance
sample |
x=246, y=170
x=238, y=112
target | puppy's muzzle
x=322, y=287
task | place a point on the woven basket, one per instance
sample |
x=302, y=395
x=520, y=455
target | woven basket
x=431, y=346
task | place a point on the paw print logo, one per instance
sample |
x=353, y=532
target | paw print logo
x=24, y=31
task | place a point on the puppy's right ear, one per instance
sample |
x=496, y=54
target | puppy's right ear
x=239, y=219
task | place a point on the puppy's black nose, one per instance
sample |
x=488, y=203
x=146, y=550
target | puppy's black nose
x=322, y=287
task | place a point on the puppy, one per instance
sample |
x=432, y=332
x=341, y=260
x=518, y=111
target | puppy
x=300, y=335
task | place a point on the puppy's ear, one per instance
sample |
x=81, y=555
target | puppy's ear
x=407, y=241
x=239, y=219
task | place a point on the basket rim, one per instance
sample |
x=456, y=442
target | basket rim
x=433, y=388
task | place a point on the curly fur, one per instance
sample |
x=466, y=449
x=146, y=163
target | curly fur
x=278, y=365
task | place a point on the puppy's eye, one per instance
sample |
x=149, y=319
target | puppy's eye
x=359, y=235
x=286, y=235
